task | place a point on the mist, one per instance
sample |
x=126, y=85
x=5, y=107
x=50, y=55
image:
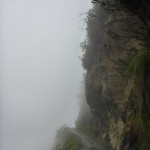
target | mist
x=40, y=70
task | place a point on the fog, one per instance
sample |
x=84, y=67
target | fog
x=40, y=70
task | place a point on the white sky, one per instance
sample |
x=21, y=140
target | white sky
x=40, y=70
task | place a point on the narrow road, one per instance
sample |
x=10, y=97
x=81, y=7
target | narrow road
x=88, y=143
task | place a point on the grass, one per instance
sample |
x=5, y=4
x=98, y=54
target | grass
x=141, y=131
x=138, y=70
x=138, y=66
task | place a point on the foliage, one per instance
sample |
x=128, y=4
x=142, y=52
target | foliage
x=72, y=143
x=90, y=46
x=108, y=5
x=141, y=133
x=139, y=8
x=69, y=140
x=138, y=69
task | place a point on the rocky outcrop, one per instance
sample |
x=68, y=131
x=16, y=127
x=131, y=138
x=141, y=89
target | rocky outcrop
x=113, y=116
x=107, y=93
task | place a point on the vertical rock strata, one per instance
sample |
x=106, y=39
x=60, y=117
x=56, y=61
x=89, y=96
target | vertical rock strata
x=106, y=91
x=116, y=87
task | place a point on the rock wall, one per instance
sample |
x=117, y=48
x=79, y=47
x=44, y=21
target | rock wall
x=112, y=118
x=113, y=91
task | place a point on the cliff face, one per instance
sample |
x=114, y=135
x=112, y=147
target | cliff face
x=117, y=79
x=116, y=57
x=105, y=89
x=113, y=87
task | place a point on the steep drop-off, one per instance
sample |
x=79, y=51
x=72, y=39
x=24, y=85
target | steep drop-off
x=117, y=81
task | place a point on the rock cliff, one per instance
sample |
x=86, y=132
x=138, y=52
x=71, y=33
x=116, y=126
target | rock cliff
x=116, y=58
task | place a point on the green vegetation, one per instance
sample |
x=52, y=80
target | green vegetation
x=139, y=8
x=72, y=143
x=141, y=133
x=138, y=70
x=68, y=140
